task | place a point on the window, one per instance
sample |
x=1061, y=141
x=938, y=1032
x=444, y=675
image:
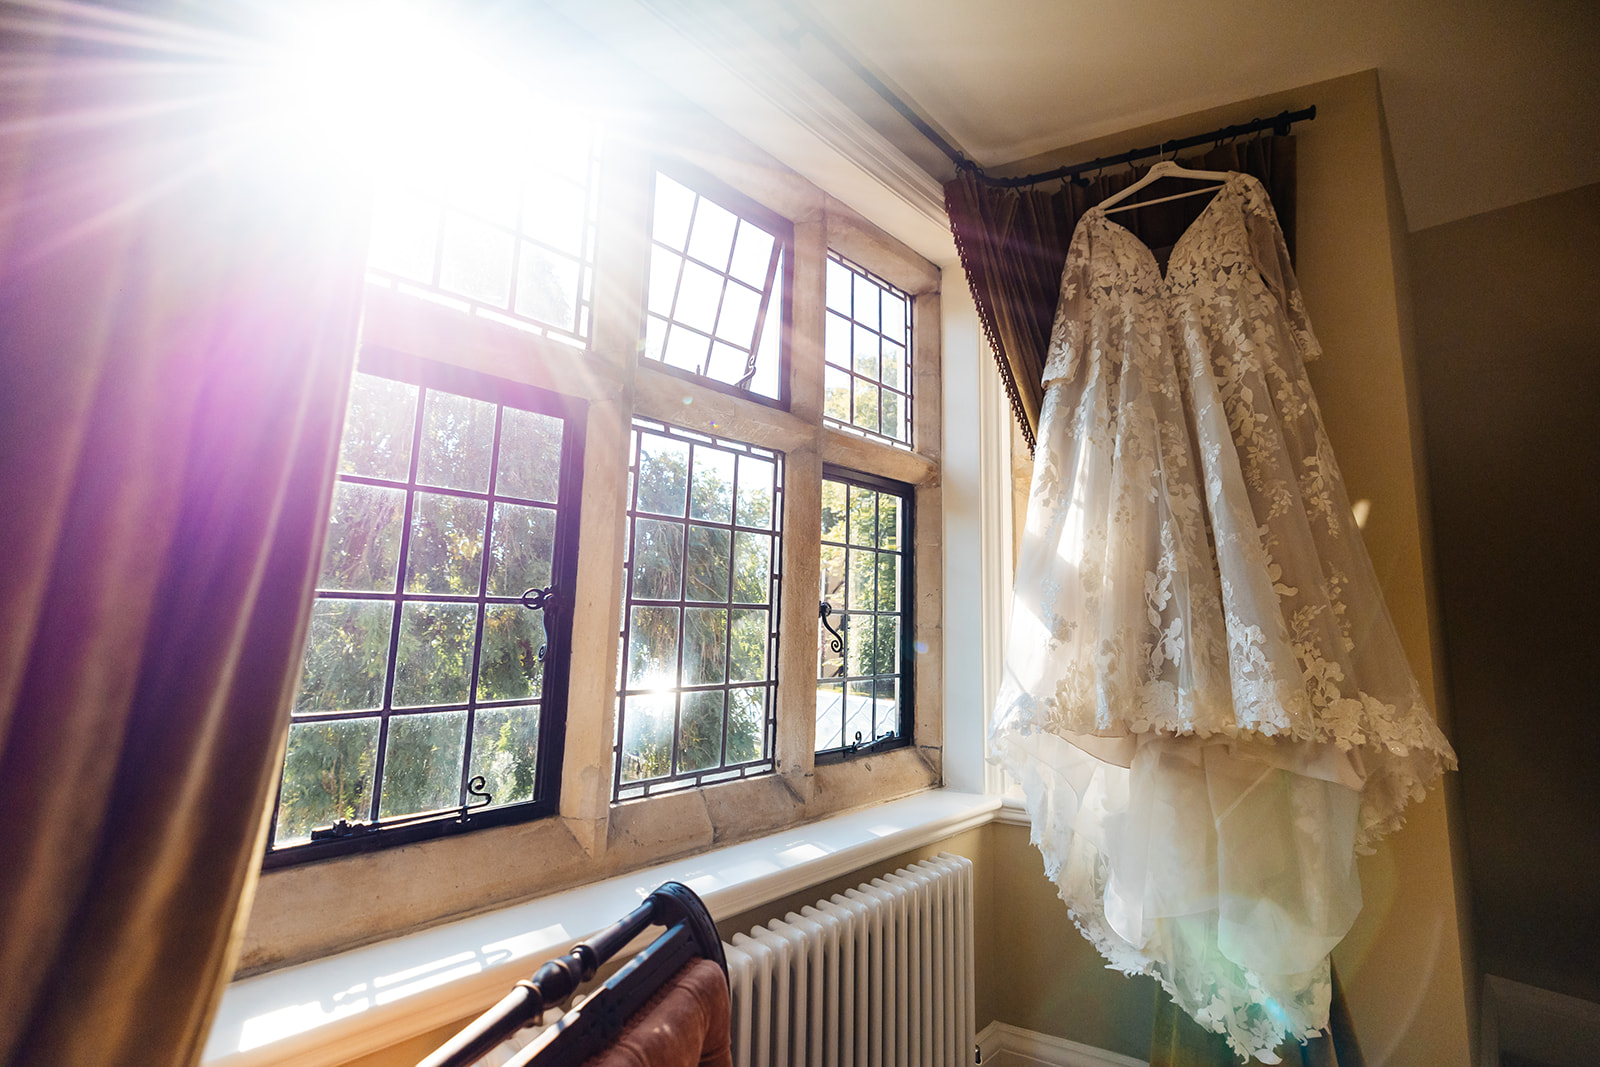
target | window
x=511, y=240
x=697, y=695
x=718, y=299
x=867, y=347
x=865, y=642
x=435, y=668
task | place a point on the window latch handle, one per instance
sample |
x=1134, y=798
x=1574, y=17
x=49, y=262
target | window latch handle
x=546, y=600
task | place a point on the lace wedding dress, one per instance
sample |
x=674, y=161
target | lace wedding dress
x=1205, y=700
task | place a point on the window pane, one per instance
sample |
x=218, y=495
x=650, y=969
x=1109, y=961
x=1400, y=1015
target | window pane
x=700, y=731
x=894, y=365
x=509, y=667
x=836, y=394
x=446, y=551
x=663, y=474
x=864, y=353
x=830, y=715
x=435, y=654
x=658, y=560
x=833, y=510
x=362, y=553
x=378, y=426
x=747, y=654
x=713, y=486
x=836, y=341
x=521, y=549
x=833, y=575
x=859, y=711
x=755, y=492
x=886, y=707
x=647, y=736
x=653, y=648
x=888, y=584
x=711, y=236
x=547, y=286
x=457, y=438
x=888, y=521
x=863, y=516
x=327, y=776
x=747, y=719
x=708, y=565
x=892, y=424
x=705, y=646
x=347, y=651
x=422, y=763
x=865, y=411
x=863, y=587
x=505, y=751
x=886, y=646
x=699, y=293
x=530, y=456
x=752, y=255
x=839, y=291
x=752, y=568
x=477, y=260
x=674, y=203
x=737, y=321
x=664, y=268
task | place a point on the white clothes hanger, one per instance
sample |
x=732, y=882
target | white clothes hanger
x=1166, y=168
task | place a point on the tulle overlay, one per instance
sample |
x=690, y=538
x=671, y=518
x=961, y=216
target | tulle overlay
x=1205, y=700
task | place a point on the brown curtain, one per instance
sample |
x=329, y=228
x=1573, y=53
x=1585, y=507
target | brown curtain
x=1179, y=1041
x=177, y=323
x=1013, y=245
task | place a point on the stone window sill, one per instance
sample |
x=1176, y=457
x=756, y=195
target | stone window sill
x=334, y=1009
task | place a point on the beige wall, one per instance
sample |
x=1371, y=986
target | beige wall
x=1508, y=345
x=1404, y=964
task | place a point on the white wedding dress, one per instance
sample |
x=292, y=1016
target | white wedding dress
x=1205, y=701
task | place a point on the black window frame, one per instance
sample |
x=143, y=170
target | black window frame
x=676, y=781
x=908, y=394
x=905, y=734
x=782, y=229
x=405, y=829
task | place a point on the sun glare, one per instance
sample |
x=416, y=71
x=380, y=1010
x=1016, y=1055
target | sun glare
x=384, y=88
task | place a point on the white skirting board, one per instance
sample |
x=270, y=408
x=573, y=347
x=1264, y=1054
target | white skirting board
x=1004, y=1045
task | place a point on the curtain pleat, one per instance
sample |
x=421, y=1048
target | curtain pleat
x=1013, y=245
x=177, y=327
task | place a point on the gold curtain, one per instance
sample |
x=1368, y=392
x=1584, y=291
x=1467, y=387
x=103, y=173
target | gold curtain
x=1013, y=245
x=177, y=324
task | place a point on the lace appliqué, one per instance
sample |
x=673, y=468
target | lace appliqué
x=1191, y=571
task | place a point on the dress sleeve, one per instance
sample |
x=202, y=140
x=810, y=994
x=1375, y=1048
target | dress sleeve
x=1064, y=356
x=1271, y=256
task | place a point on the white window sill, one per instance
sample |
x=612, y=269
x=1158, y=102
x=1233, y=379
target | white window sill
x=335, y=1009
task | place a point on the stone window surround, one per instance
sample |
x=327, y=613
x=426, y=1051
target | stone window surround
x=307, y=912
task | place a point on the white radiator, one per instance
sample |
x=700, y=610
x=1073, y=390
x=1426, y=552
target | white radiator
x=878, y=976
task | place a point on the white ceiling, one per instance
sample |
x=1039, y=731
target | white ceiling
x=1488, y=104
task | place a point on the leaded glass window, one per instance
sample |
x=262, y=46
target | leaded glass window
x=867, y=349
x=718, y=293
x=512, y=242
x=435, y=668
x=697, y=682
x=865, y=639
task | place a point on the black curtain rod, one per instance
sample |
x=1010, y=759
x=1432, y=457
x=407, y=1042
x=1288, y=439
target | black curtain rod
x=1278, y=124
